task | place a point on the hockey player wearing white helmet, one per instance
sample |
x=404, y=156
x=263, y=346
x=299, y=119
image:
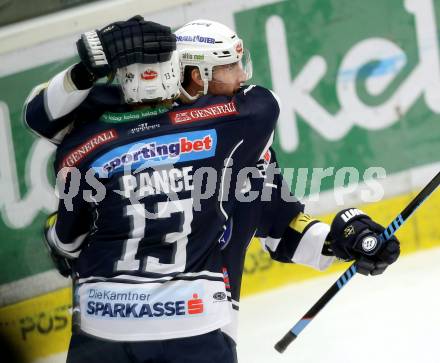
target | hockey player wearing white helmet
x=212, y=59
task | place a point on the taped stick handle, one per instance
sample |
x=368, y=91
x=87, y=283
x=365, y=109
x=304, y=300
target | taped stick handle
x=285, y=341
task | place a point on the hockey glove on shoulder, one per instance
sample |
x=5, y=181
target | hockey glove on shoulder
x=355, y=236
x=123, y=43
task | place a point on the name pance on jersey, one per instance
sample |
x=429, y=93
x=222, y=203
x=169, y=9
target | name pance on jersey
x=158, y=182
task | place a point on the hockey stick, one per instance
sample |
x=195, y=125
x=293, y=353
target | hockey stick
x=351, y=271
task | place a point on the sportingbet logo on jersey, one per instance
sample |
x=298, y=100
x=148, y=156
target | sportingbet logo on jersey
x=168, y=149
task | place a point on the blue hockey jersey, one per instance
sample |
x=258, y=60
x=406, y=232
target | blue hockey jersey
x=154, y=189
x=162, y=158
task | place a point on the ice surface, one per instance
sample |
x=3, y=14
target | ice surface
x=394, y=317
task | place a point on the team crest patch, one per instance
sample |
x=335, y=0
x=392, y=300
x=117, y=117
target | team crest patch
x=203, y=113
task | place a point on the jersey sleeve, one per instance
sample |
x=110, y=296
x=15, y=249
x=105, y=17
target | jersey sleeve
x=262, y=109
x=285, y=231
x=49, y=108
x=74, y=215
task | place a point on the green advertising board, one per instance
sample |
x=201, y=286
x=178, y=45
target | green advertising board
x=26, y=179
x=359, y=81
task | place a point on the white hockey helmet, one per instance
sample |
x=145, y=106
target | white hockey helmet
x=150, y=82
x=206, y=44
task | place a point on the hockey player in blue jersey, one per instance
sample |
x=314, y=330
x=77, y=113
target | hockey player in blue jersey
x=218, y=65
x=148, y=274
x=303, y=240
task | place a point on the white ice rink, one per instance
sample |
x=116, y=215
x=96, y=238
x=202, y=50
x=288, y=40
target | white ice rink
x=393, y=318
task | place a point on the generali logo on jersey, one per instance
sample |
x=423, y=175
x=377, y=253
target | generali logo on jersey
x=86, y=148
x=203, y=113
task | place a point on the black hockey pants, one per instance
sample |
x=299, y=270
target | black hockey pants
x=213, y=347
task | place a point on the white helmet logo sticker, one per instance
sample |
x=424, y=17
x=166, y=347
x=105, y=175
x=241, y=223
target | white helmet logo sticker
x=149, y=75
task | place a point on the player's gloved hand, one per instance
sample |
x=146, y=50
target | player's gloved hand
x=123, y=43
x=61, y=263
x=355, y=236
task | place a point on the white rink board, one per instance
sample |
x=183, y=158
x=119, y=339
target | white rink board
x=384, y=319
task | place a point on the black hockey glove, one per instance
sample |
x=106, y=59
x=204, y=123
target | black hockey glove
x=123, y=43
x=355, y=236
x=61, y=263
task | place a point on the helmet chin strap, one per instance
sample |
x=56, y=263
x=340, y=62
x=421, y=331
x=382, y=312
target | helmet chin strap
x=205, y=86
x=187, y=95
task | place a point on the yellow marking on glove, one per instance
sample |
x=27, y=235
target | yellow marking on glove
x=51, y=220
x=300, y=222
